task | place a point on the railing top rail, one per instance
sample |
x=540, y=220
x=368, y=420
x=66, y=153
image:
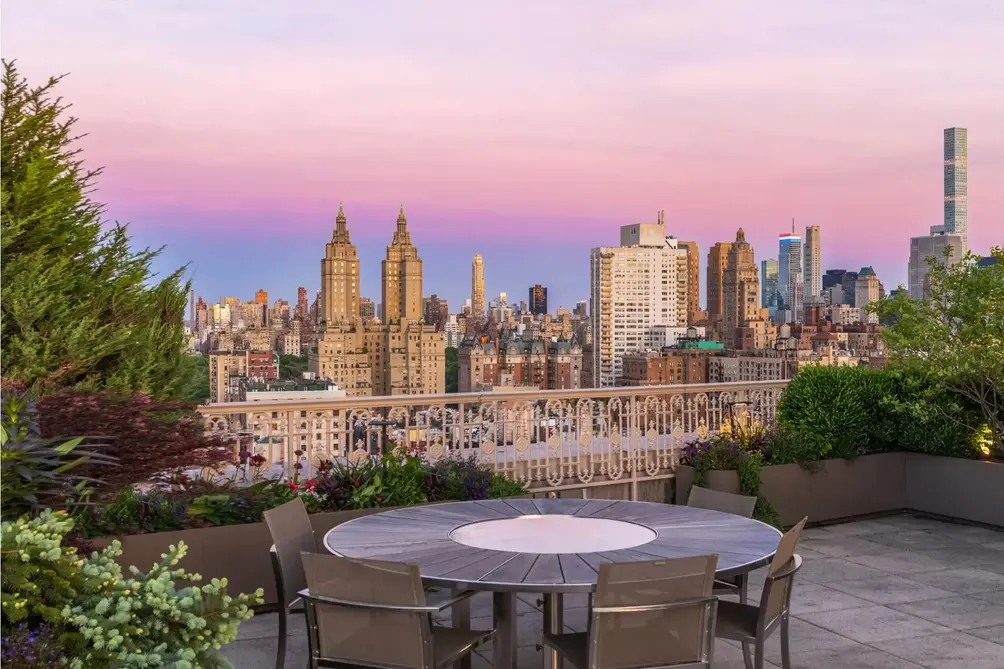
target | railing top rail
x=481, y=397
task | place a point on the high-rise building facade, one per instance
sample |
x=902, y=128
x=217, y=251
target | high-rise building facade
x=740, y=290
x=957, y=185
x=930, y=246
x=867, y=289
x=478, y=286
x=770, y=287
x=718, y=260
x=401, y=272
x=789, y=274
x=302, y=306
x=340, y=276
x=694, y=313
x=634, y=289
x=812, y=265
x=261, y=296
x=538, y=300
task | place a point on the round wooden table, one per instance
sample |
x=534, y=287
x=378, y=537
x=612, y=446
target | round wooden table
x=549, y=546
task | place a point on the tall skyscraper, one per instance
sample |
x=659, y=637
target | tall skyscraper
x=956, y=185
x=478, y=287
x=867, y=289
x=770, y=287
x=302, y=305
x=740, y=290
x=402, y=276
x=813, y=266
x=693, y=281
x=718, y=260
x=634, y=288
x=789, y=274
x=930, y=246
x=340, y=276
x=538, y=300
x=261, y=296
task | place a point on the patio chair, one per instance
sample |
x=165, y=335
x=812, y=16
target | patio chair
x=647, y=614
x=372, y=613
x=750, y=624
x=292, y=534
x=726, y=502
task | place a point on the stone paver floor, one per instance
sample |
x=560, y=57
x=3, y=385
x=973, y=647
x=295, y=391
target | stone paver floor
x=901, y=592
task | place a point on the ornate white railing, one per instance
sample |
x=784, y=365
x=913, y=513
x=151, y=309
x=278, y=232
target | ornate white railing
x=550, y=439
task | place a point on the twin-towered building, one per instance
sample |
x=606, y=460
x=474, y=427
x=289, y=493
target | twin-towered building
x=397, y=354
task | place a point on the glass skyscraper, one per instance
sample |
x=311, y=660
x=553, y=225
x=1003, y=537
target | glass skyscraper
x=770, y=288
x=956, y=185
x=789, y=274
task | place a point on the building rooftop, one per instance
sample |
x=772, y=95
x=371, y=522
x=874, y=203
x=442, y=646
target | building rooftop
x=899, y=592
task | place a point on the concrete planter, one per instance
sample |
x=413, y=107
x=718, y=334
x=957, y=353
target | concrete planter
x=829, y=490
x=237, y=552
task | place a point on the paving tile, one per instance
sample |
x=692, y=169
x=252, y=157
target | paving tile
x=858, y=657
x=874, y=623
x=995, y=633
x=728, y=655
x=915, y=522
x=964, y=581
x=828, y=570
x=969, y=555
x=902, y=562
x=973, y=534
x=854, y=528
x=915, y=540
x=995, y=596
x=804, y=638
x=260, y=653
x=814, y=598
x=527, y=657
x=889, y=589
x=959, y=613
x=528, y=627
x=841, y=546
x=947, y=651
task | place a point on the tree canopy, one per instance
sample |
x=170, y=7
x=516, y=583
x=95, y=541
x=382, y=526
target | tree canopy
x=956, y=336
x=80, y=308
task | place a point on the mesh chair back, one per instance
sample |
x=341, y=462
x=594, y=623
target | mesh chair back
x=715, y=500
x=369, y=636
x=776, y=591
x=622, y=640
x=292, y=534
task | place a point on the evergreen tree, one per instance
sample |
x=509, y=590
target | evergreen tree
x=80, y=308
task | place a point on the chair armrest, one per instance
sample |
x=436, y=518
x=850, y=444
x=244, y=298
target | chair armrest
x=682, y=604
x=307, y=597
x=453, y=599
x=796, y=564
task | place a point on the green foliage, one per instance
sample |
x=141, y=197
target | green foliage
x=195, y=386
x=80, y=308
x=106, y=619
x=452, y=369
x=502, y=486
x=957, y=336
x=134, y=512
x=843, y=412
x=37, y=472
x=724, y=453
x=40, y=575
x=832, y=412
x=290, y=366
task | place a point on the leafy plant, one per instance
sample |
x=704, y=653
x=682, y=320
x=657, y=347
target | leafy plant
x=28, y=647
x=134, y=512
x=502, y=486
x=723, y=453
x=956, y=336
x=81, y=308
x=36, y=472
x=459, y=478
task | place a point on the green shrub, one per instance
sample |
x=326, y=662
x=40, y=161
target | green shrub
x=843, y=412
x=503, y=486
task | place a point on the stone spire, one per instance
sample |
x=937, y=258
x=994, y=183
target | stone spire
x=401, y=235
x=341, y=233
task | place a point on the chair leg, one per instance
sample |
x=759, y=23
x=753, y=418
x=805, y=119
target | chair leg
x=743, y=595
x=785, y=655
x=758, y=654
x=280, y=658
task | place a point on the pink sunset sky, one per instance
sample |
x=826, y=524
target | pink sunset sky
x=525, y=131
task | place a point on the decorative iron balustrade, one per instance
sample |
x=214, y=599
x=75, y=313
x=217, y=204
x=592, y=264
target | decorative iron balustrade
x=549, y=439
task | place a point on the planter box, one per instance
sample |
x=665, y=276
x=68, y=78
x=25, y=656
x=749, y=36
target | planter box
x=237, y=552
x=968, y=490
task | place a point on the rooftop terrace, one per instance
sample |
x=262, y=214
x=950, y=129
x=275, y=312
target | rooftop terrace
x=898, y=592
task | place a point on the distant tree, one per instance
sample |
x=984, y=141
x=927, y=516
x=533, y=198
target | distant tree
x=956, y=336
x=452, y=369
x=80, y=308
x=292, y=366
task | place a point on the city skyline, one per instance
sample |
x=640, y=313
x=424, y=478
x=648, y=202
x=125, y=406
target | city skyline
x=723, y=115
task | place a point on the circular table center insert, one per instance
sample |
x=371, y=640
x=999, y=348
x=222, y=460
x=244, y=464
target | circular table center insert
x=552, y=534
